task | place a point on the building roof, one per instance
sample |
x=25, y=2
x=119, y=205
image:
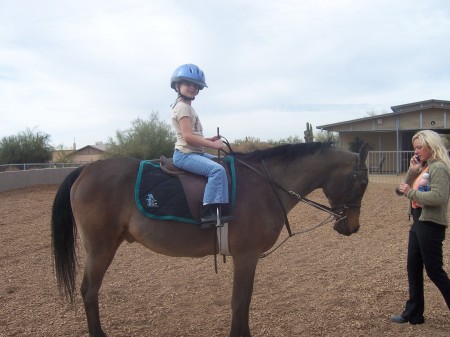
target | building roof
x=396, y=110
x=98, y=147
x=431, y=103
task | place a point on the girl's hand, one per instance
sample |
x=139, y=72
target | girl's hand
x=217, y=144
x=213, y=139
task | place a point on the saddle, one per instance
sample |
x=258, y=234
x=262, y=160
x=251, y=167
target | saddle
x=168, y=167
x=193, y=184
x=166, y=192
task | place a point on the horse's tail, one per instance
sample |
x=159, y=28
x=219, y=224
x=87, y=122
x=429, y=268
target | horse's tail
x=63, y=237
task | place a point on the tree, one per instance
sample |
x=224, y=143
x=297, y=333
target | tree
x=146, y=139
x=248, y=139
x=29, y=146
x=372, y=112
x=249, y=144
x=288, y=140
x=355, y=145
x=325, y=136
x=61, y=155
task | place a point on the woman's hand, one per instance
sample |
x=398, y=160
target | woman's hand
x=404, y=188
x=414, y=164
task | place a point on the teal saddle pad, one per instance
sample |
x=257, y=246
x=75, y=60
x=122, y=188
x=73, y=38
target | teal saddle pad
x=159, y=195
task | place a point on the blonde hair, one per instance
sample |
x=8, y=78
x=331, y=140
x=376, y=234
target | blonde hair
x=435, y=143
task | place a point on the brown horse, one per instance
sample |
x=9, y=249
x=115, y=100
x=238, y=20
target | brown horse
x=98, y=201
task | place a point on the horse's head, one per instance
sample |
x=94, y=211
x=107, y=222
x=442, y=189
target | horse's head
x=345, y=192
x=341, y=174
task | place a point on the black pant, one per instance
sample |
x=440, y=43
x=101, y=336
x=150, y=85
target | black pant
x=424, y=249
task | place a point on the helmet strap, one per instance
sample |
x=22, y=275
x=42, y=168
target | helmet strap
x=183, y=97
x=187, y=98
x=180, y=95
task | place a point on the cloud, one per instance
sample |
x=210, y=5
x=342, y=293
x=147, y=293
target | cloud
x=86, y=69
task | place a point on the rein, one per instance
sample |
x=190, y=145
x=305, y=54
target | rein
x=310, y=202
x=317, y=205
x=330, y=210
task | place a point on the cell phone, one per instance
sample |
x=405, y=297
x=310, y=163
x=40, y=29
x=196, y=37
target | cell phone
x=418, y=159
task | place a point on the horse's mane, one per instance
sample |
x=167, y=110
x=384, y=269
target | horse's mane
x=286, y=152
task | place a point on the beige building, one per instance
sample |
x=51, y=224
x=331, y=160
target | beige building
x=393, y=131
x=84, y=155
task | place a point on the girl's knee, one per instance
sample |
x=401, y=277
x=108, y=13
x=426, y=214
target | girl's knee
x=218, y=169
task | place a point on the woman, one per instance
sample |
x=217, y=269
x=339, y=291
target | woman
x=189, y=154
x=429, y=211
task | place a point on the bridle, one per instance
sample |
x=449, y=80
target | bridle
x=338, y=212
x=349, y=192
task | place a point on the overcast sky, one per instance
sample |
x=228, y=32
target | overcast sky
x=84, y=69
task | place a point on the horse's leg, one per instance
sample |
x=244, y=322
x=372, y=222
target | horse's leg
x=97, y=262
x=244, y=274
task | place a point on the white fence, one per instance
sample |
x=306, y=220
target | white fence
x=36, y=166
x=384, y=167
x=388, y=166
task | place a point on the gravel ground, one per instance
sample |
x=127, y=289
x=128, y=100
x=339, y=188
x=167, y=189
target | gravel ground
x=317, y=284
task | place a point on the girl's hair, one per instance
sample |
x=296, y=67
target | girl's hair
x=435, y=143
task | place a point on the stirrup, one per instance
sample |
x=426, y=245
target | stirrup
x=214, y=219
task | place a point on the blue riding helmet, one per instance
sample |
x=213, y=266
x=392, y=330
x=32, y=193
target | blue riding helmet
x=190, y=73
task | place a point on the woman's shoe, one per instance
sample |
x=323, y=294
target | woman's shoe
x=401, y=319
x=398, y=319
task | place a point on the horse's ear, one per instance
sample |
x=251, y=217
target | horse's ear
x=363, y=151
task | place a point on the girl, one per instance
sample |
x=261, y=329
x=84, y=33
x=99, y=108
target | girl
x=189, y=154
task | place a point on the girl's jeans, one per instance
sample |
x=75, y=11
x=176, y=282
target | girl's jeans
x=216, y=190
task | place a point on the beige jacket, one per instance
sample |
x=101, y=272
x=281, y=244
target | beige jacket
x=435, y=202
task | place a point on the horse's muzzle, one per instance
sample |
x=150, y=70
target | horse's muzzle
x=345, y=227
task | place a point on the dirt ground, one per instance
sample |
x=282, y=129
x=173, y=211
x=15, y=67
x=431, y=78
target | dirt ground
x=317, y=284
